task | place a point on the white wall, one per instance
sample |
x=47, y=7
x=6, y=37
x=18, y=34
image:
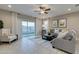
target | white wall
x=38, y=26
x=6, y=18
x=73, y=22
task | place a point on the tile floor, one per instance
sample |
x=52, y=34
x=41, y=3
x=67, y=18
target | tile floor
x=31, y=45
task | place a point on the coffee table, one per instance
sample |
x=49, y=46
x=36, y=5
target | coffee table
x=50, y=37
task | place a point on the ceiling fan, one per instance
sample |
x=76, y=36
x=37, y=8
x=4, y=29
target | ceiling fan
x=43, y=10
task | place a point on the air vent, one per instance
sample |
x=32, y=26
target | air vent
x=77, y=5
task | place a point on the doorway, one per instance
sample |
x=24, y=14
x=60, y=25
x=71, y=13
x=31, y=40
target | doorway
x=28, y=28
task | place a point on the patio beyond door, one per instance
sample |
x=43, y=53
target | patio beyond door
x=28, y=28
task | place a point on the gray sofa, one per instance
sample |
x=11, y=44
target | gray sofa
x=65, y=43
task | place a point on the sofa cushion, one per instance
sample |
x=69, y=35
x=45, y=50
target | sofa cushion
x=68, y=36
x=62, y=34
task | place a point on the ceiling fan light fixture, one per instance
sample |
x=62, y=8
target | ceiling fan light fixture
x=42, y=12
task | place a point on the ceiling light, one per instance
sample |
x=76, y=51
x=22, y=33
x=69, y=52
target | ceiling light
x=69, y=9
x=9, y=6
x=42, y=12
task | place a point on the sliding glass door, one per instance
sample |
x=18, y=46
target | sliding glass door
x=31, y=28
x=28, y=28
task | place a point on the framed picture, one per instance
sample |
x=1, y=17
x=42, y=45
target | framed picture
x=62, y=23
x=54, y=23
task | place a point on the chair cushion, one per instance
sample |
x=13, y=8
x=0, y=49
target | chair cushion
x=5, y=32
x=12, y=37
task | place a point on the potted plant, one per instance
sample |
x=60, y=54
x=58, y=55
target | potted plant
x=1, y=24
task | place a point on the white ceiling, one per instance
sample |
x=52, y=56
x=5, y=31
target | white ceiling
x=28, y=9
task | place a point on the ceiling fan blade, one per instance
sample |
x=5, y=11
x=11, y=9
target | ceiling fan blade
x=42, y=7
x=47, y=9
x=46, y=12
